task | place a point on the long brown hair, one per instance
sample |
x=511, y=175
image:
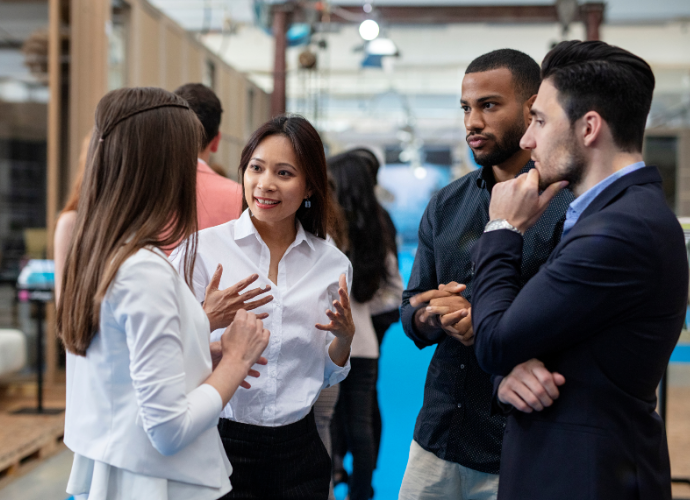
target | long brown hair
x=139, y=190
x=305, y=140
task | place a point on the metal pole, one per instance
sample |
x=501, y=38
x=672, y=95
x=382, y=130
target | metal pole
x=593, y=16
x=40, y=313
x=280, y=21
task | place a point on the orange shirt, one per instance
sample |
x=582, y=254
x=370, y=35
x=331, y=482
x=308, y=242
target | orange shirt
x=218, y=198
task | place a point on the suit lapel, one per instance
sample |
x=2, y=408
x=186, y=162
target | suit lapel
x=645, y=175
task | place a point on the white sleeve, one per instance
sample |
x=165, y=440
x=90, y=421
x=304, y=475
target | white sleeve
x=389, y=296
x=144, y=303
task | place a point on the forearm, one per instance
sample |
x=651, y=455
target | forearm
x=227, y=377
x=339, y=350
x=199, y=412
x=496, y=285
x=421, y=338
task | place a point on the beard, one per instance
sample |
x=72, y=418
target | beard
x=568, y=162
x=504, y=148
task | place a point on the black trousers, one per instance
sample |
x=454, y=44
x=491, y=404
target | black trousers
x=352, y=427
x=288, y=462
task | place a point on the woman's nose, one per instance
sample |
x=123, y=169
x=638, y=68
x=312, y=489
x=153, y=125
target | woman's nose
x=266, y=182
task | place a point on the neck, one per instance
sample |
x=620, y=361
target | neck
x=205, y=155
x=602, y=164
x=510, y=168
x=278, y=234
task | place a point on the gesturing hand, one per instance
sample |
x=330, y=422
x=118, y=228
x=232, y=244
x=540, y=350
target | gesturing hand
x=530, y=386
x=341, y=325
x=446, y=309
x=518, y=200
x=243, y=342
x=456, y=320
x=221, y=305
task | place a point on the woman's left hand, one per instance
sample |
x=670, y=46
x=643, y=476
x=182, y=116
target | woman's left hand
x=341, y=325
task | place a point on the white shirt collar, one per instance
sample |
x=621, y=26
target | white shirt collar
x=244, y=227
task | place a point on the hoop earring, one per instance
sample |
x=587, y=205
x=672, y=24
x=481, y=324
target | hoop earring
x=307, y=203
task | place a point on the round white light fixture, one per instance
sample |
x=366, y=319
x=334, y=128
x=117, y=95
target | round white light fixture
x=381, y=47
x=369, y=29
x=420, y=172
x=367, y=8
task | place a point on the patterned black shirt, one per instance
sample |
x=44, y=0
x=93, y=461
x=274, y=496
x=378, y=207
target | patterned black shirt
x=456, y=422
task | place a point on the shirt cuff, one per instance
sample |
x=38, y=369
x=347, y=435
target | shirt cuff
x=334, y=374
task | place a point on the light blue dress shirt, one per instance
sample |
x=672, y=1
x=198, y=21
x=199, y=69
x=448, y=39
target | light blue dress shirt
x=581, y=203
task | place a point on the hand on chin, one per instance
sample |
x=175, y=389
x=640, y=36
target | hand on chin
x=519, y=202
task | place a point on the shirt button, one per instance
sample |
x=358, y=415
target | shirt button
x=459, y=405
x=462, y=367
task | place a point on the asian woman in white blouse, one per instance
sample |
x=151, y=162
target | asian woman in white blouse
x=142, y=399
x=269, y=431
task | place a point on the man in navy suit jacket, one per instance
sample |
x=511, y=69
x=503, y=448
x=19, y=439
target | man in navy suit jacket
x=585, y=343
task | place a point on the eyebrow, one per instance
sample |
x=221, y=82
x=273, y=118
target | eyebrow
x=535, y=112
x=494, y=97
x=281, y=164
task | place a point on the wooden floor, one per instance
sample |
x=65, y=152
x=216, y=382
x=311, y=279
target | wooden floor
x=26, y=440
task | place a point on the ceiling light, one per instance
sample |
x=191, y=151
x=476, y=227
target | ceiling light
x=367, y=8
x=381, y=47
x=369, y=29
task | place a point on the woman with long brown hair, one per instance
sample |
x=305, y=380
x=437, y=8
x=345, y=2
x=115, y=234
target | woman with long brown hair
x=142, y=399
x=268, y=431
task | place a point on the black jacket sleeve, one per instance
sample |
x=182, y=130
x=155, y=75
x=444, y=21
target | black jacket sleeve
x=594, y=278
x=422, y=278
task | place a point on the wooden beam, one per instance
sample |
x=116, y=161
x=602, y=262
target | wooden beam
x=451, y=14
x=280, y=25
x=54, y=155
x=592, y=14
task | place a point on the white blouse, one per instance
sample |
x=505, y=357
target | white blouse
x=139, y=417
x=299, y=365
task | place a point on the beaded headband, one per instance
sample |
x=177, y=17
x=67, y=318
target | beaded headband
x=149, y=108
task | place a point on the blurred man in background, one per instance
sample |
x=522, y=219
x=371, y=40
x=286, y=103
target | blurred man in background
x=219, y=199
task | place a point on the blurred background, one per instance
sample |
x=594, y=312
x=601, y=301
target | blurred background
x=384, y=74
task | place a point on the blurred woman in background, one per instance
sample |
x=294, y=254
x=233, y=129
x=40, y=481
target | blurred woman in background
x=142, y=400
x=375, y=281
x=64, y=227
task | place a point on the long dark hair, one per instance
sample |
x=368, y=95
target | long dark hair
x=309, y=151
x=368, y=235
x=139, y=189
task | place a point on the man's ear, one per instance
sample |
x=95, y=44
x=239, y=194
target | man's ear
x=591, y=128
x=527, y=107
x=215, y=143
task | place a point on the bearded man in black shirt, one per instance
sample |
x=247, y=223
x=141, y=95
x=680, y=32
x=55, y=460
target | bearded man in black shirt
x=457, y=439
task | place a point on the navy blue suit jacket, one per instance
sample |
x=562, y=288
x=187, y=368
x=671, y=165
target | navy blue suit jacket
x=605, y=311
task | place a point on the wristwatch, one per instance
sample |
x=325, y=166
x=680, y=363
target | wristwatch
x=497, y=224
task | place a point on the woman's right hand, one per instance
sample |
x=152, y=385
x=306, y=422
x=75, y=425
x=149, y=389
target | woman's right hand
x=221, y=305
x=244, y=340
